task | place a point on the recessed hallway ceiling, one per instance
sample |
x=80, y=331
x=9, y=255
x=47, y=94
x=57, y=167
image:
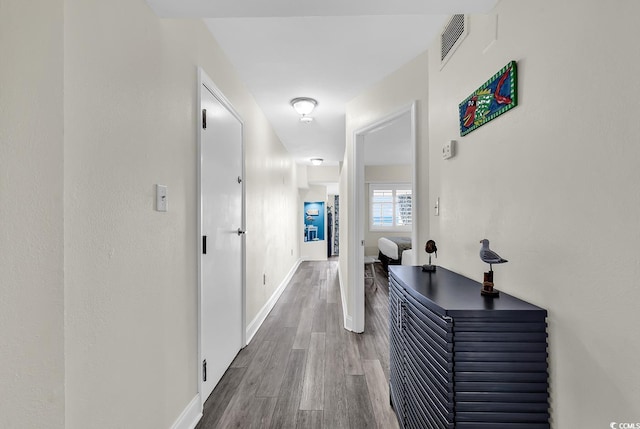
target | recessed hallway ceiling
x=330, y=51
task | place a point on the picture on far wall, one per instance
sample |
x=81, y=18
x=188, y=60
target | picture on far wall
x=313, y=221
x=491, y=100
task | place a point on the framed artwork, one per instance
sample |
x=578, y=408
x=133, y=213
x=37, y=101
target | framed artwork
x=492, y=99
x=314, y=221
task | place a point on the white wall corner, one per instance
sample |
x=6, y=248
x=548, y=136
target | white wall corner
x=190, y=416
x=301, y=176
x=257, y=321
x=347, y=320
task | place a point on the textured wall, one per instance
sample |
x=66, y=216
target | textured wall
x=31, y=225
x=553, y=184
x=131, y=272
x=396, y=91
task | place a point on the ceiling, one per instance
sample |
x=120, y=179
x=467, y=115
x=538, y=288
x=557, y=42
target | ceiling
x=331, y=51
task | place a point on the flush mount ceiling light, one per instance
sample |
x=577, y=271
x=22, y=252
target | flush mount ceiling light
x=304, y=106
x=316, y=161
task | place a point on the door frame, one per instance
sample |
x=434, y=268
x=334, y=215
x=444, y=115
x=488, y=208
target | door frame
x=205, y=81
x=356, y=234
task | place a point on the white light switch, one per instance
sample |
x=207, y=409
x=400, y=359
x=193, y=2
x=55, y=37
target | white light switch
x=449, y=149
x=162, y=205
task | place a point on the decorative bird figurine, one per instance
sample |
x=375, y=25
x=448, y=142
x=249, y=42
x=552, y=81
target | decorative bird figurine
x=489, y=256
x=430, y=248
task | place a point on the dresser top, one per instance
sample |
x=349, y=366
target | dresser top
x=450, y=293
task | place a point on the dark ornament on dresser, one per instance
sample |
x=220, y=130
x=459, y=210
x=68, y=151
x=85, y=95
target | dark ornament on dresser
x=430, y=248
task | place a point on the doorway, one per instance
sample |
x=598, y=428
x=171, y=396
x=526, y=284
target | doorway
x=356, y=258
x=221, y=235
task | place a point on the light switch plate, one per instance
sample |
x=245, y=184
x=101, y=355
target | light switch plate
x=449, y=149
x=162, y=204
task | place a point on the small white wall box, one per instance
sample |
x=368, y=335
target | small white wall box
x=449, y=149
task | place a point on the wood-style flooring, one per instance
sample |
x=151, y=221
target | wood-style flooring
x=303, y=369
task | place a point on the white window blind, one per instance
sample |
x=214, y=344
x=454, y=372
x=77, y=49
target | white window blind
x=390, y=207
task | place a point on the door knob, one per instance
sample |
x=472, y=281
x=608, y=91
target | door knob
x=241, y=231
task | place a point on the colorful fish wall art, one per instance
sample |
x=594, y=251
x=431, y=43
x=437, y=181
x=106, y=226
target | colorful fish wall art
x=491, y=100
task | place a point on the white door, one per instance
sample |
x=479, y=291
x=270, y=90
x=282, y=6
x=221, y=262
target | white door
x=221, y=264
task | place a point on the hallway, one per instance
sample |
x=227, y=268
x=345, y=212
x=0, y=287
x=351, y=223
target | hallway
x=303, y=370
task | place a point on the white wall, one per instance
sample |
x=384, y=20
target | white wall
x=553, y=184
x=323, y=173
x=343, y=241
x=381, y=174
x=131, y=284
x=31, y=210
x=387, y=173
x=390, y=95
x=302, y=180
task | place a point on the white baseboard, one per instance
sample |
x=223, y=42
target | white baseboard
x=190, y=416
x=255, y=324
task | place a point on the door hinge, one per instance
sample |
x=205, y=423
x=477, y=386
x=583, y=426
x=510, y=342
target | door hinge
x=204, y=370
x=204, y=119
x=204, y=244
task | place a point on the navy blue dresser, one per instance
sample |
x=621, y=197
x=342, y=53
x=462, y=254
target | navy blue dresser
x=462, y=360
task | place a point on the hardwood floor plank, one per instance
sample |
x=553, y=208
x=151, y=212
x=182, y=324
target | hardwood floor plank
x=322, y=290
x=336, y=415
x=378, y=386
x=275, y=370
x=274, y=325
x=351, y=356
x=286, y=411
x=324, y=271
x=245, y=356
x=366, y=346
x=290, y=292
x=262, y=412
x=333, y=288
x=313, y=386
x=256, y=416
x=220, y=397
x=334, y=319
x=291, y=318
x=303, y=333
x=361, y=414
x=320, y=316
x=242, y=400
x=255, y=370
x=309, y=419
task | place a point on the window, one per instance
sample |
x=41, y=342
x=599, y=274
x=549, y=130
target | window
x=390, y=207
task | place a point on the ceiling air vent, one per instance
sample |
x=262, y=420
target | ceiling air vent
x=451, y=37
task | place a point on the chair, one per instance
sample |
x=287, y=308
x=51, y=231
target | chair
x=312, y=233
x=370, y=262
